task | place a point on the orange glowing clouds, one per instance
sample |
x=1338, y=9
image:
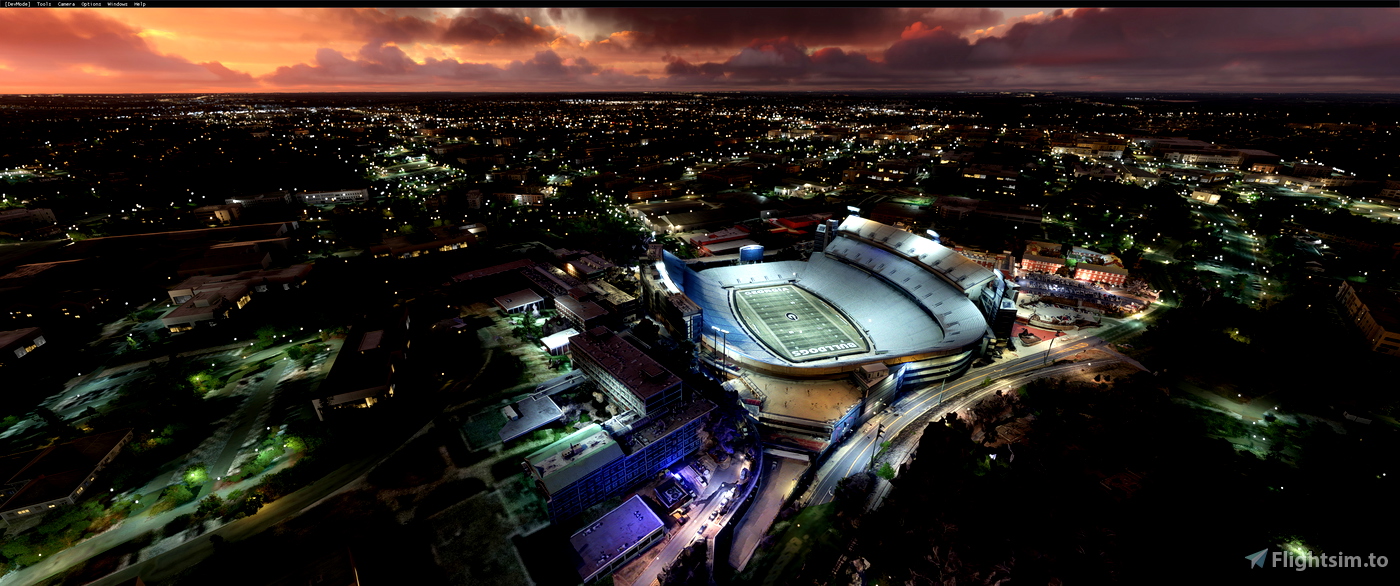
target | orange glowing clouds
x=582, y=49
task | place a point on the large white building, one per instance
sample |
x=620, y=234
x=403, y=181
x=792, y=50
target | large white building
x=334, y=197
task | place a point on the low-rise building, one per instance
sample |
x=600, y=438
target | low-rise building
x=598, y=462
x=584, y=265
x=364, y=372
x=16, y=344
x=342, y=196
x=33, y=483
x=1375, y=312
x=613, y=540
x=206, y=299
x=622, y=306
x=28, y=223
x=436, y=239
x=1390, y=191
x=522, y=301
x=730, y=175
x=649, y=191
x=258, y=281
x=207, y=307
x=557, y=344
x=218, y=214
x=1108, y=274
x=584, y=315
x=284, y=197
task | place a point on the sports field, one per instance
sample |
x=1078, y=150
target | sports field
x=797, y=325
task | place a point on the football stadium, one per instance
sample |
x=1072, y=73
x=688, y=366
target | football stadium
x=812, y=347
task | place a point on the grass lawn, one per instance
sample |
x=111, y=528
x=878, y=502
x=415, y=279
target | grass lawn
x=472, y=545
x=416, y=464
x=809, y=539
x=523, y=500
x=483, y=429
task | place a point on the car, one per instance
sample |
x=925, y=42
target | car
x=702, y=529
x=713, y=515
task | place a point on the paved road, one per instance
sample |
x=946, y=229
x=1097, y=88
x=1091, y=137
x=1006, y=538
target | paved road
x=243, y=425
x=175, y=560
x=721, y=481
x=779, y=478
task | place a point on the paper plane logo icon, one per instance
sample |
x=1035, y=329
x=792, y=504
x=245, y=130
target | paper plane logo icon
x=1256, y=559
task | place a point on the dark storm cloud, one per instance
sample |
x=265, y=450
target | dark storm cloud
x=478, y=26
x=378, y=64
x=727, y=27
x=1108, y=49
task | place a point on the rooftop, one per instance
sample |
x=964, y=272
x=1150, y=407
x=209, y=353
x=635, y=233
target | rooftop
x=643, y=376
x=634, y=432
x=584, y=310
x=492, y=270
x=12, y=336
x=518, y=299
x=558, y=339
x=55, y=472
x=613, y=534
x=1382, y=304
x=574, y=457
x=609, y=293
x=534, y=412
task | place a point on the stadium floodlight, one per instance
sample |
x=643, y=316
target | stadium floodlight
x=725, y=352
x=853, y=209
x=935, y=236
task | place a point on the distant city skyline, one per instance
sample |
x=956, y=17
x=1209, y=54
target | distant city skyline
x=699, y=49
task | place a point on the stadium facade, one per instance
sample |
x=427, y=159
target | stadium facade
x=813, y=347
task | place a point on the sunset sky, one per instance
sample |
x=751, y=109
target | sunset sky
x=591, y=49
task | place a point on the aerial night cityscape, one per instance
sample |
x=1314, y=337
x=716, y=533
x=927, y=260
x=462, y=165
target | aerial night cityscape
x=702, y=295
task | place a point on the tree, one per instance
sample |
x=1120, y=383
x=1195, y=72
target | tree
x=178, y=524
x=248, y=505
x=886, y=471
x=196, y=475
x=294, y=443
x=295, y=352
x=177, y=494
x=852, y=492
x=211, y=505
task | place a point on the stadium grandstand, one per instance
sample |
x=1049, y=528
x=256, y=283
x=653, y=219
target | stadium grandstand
x=877, y=311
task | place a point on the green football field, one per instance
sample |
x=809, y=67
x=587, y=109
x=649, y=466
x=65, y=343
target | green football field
x=796, y=324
